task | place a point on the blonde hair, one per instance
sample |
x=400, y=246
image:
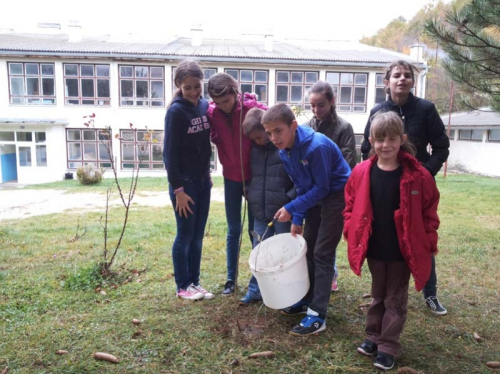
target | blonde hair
x=389, y=124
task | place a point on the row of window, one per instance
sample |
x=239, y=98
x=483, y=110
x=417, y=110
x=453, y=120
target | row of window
x=476, y=135
x=144, y=86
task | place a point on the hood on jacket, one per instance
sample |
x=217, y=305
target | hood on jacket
x=184, y=102
x=303, y=135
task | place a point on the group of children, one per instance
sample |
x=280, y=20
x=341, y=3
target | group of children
x=300, y=177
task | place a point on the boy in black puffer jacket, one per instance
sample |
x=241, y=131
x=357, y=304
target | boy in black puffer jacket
x=270, y=189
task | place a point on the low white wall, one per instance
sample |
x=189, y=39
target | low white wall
x=475, y=157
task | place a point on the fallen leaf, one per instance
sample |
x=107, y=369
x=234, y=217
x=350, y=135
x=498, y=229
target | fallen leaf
x=367, y=295
x=106, y=357
x=407, y=370
x=234, y=362
x=139, y=280
x=136, y=321
x=103, y=292
x=262, y=354
x=363, y=305
x=60, y=352
x=477, y=337
x=5, y=370
x=493, y=364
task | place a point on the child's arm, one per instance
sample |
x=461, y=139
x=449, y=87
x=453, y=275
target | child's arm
x=429, y=210
x=349, y=193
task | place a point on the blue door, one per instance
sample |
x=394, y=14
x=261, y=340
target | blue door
x=9, y=169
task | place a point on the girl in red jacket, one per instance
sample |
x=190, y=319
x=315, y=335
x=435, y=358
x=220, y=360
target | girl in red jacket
x=226, y=115
x=391, y=219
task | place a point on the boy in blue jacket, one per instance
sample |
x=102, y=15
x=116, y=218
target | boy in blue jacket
x=319, y=171
x=269, y=190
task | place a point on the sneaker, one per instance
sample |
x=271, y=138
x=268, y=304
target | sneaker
x=367, y=348
x=335, y=287
x=309, y=326
x=299, y=308
x=206, y=293
x=228, y=288
x=248, y=299
x=435, y=306
x=190, y=293
x=384, y=361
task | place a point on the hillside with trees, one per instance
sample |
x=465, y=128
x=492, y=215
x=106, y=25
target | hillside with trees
x=400, y=34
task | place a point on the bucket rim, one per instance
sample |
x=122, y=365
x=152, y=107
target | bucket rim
x=283, y=267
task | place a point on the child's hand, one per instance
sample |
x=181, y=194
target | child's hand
x=296, y=229
x=282, y=215
x=182, y=204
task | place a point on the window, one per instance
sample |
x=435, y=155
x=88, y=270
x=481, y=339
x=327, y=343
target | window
x=213, y=159
x=292, y=87
x=470, y=135
x=138, y=152
x=349, y=89
x=142, y=86
x=207, y=73
x=32, y=83
x=452, y=134
x=380, y=95
x=252, y=81
x=86, y=84
x=87, y=147
x=7, y=136
x=494, y=135
x=359, y=140
x=25, y=156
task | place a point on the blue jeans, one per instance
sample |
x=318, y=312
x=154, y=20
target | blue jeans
x=233, y=193
x=260, y=227
x=186, y=251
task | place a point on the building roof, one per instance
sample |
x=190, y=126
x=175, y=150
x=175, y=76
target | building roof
x=340, y=53
x=482, y=118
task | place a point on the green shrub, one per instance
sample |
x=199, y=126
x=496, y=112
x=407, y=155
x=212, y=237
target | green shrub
x=89, y=175
x=87, y=278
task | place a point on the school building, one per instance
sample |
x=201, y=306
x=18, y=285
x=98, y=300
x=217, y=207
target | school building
x=474, y=142
x=50, y=81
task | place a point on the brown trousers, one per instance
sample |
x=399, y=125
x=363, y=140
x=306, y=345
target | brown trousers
x=386, y=316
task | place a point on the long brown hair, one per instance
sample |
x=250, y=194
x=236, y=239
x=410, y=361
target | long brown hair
x=324, y=88
x=221, y=84
x=185, y=69
x=389, y=124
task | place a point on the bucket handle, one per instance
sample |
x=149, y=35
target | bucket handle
x=269, y=225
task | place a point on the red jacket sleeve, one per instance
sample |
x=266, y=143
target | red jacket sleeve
x=429, y=210
x=349, y=203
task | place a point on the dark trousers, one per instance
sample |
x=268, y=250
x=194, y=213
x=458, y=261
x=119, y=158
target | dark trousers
x=386, y=316
x=322, y=232
x=430, y=289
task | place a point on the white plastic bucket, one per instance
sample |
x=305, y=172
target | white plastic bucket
x=280, y=266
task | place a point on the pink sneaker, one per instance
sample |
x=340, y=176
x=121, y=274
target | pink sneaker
x=206, y=293
x=335, y=287
x=190, y=293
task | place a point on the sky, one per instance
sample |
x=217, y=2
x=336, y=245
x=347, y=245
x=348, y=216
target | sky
x=285, y=19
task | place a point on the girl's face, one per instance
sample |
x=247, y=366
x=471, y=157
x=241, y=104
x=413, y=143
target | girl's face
x=225, y=103
x=320, y=105
x=281, y=134
x=191, y=89
x=387, y=148
x=260, y=137
x=400, y=81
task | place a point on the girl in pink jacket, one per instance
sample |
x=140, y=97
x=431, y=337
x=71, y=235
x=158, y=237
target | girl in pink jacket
x=391, y=219
x=226, y=115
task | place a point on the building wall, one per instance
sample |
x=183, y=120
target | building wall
x=478, y=157
x=120, y=117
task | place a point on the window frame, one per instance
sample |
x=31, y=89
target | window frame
x=97, y=162
x=252, y=82
x=149, y=100
x=157, y=136
x=43, y=100
x=463, y=137
x=349, y=107
x=96, y=99
x=379, y=86
x=489, y=136
x=304, y=103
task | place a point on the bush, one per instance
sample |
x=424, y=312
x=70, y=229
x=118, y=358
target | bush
x=89, y=175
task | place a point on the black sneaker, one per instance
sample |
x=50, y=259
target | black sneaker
x=309, y=326
x=299, y=308
x=367, y=348
x=228, y=288
x=435, y=306
x=384, y=361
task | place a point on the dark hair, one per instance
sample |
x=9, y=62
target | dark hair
x=399, y=63
x=279, y=112
x=221, y=84
x=253, y=121
x=389, y=124
x=185, y=69
x=322, y=87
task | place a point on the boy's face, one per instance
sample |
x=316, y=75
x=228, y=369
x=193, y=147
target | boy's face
x=281, y=134
x=260, y=137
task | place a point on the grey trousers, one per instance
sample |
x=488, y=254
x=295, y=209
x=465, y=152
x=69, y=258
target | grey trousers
x=322, y=232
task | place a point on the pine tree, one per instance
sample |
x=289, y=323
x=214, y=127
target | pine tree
x=471, y=38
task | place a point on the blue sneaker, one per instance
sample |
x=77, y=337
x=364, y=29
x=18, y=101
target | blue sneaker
x=309, y=326
x=248, y=299
x=299, y=308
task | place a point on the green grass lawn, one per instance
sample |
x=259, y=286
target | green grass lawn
x=48, y=303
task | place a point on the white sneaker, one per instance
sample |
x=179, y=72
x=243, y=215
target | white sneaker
x=190, y=293
x=206, y=293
